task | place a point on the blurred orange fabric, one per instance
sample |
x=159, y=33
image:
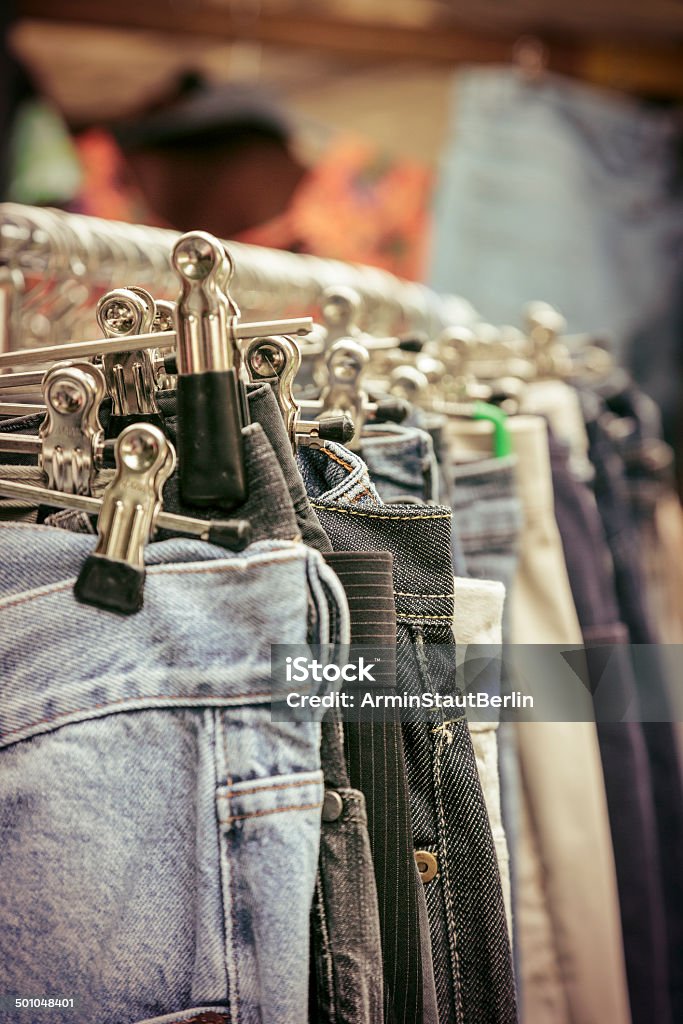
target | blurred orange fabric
x=357, y=204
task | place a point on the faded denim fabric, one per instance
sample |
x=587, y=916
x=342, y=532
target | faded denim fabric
x=401, y=462
x=159, y=833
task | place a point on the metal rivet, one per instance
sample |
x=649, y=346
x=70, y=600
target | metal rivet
x=267, y=360
x=333, y=805
x=427, y=865
x=67, y=396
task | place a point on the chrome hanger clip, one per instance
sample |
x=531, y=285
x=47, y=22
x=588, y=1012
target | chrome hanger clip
x=314, y=433
x=346, y=363
x=276, y=361
x=344, y=393
x=212, y=404
x=129, y=374
x=70, y=444
x=71, y=435
x=113, y=577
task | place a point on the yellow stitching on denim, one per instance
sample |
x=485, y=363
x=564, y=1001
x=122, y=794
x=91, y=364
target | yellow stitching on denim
x=134, y=700
x=373, y=515
x=335, y=458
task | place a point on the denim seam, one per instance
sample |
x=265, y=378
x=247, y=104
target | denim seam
x=447, y=892
x=153, y=570
x=326, y=953
x=352, y=471
x=404, y=593
x=374, y=515
x=216, y=720
x=228, y=777
x=441, y=835
x=125, y=700
x=270, y=810
x=232, y=965
x=446, y=618
x=335, y=458
x=265, y=789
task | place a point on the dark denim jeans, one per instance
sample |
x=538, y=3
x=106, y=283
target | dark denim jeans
x=612, y=494
x=489, y=517
x=625, y=763
x=470, y=945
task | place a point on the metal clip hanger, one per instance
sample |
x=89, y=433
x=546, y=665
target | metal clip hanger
x=343, y=393
x=113, y=576
x=211, y=398
x=232, y=534
x=69, y=444
x=276, y=361
x=346, y=363
x=71, y=433
x=315, y=433
x=340, y=309
x=130, y=377
x=545, y=326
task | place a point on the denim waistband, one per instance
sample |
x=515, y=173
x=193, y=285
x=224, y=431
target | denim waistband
x=485, y=500
x=418, y=537
x=401, y=461
x=333, y=475
x=64, y=661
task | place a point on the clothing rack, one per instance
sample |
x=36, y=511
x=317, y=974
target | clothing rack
x=54, y=266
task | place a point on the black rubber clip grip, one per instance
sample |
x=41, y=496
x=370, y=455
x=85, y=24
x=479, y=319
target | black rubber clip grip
x=209, y=439
x=112, y=585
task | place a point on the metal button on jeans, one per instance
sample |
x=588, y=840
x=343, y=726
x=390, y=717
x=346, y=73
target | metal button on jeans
x=427, y=865
x=333, y=805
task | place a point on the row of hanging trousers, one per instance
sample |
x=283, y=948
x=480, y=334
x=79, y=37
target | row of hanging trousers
x=172, y=851
x=167, y=847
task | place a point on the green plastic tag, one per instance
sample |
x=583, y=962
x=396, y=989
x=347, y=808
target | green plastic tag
x=502, y=438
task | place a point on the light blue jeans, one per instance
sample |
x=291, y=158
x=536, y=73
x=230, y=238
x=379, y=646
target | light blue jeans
x=158, y=832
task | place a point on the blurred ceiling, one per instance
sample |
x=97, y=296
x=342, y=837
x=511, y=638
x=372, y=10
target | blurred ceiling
x=351, y=64
x=622, y=18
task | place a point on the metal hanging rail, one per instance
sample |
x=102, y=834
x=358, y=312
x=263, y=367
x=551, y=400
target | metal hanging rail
x=54, y=266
